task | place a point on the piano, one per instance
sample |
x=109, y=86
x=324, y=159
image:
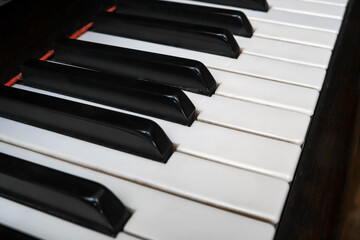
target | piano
x=179, y=119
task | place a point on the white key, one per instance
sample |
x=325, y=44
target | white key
x=240, y=191
x=281, y=71
x=156, y=215
x=124, y=236
x=251, y=117
x=279, y=31
x=227, y=146
x=245, y=116
x=292, y=34
x=238, y=149
x=285, y=51
x=295, y=19
x=265, y=92
x=330, y=2
x=44, y=226
x=313, y=8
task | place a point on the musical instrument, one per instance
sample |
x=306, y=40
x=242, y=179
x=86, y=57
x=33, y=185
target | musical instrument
x=220, y=167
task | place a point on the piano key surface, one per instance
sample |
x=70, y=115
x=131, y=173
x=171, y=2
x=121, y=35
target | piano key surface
x=271, y=122
x=235, y=21
x=179, y=12
x=200, y=184
x=265, y=92
x=275, y=70
x=283, y=41
x=156, y=215
x=308, y=7
x=183, y=73
x=302, y=36
x=201, y=38
x=285, y=51
x=330, y=2
x=227, y=146
x=128, y=93
x=63, y=195
x=295, y=19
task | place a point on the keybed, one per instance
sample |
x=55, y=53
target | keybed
x=227, y=167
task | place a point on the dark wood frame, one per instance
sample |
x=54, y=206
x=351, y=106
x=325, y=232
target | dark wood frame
x=320, y=198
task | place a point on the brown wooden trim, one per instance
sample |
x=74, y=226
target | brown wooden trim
x=349, y=224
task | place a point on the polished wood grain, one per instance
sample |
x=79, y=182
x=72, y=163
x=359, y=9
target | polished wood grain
x=324, y=198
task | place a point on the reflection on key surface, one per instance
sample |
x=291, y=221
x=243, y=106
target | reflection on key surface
x=66, y=196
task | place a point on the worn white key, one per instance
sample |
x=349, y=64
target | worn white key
x=306, y=7
x=295, y=19
x=209, y=141
x=265, y=92
x=295, y=35
x=251, y=117
x=156, y=215
x=285, y=51
x=245, y=64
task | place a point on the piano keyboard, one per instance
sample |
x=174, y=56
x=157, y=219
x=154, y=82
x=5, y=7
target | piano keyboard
x=169, y=127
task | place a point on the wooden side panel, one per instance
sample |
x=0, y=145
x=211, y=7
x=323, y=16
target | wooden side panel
x=316, y=203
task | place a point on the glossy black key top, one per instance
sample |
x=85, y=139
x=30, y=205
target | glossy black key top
x=121, y=92
x=190, y=36
x=100, y=126
x=182, y=73
x=235, y=21
x=9, y=233
x=260, y=5
x=66, y=196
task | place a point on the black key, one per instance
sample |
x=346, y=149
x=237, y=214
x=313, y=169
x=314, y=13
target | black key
x=195, y=37
x=121, y=92
x=260, y=5
x=235, y=21
x=9, y=233
x=66, y=196
x=182, y=73
x=100, y=126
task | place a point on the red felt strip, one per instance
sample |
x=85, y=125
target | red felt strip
x=112, y=9
x=51, y=52
x=82, y=30
x=47, y=55
x=13, y=80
